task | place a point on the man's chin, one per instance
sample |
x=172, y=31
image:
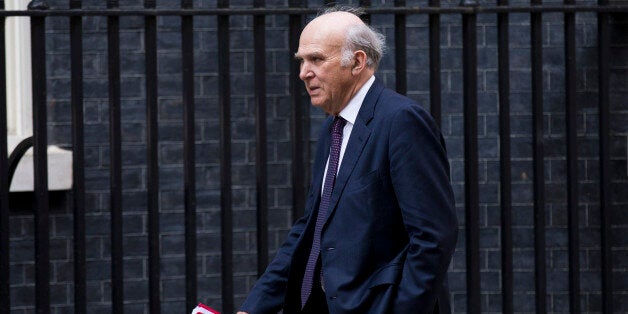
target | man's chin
x=315, y=102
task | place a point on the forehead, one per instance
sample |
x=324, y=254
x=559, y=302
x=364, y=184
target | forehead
x=314, y=42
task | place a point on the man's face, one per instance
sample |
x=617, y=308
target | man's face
x=329, y=84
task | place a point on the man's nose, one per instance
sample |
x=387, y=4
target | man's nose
x=305, y=72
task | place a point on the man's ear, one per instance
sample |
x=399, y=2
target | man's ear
x=359, y=62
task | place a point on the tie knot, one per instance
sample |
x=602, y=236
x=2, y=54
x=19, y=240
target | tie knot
x=338, y=125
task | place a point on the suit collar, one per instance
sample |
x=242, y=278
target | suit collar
x=368, y=105
x=350, y=112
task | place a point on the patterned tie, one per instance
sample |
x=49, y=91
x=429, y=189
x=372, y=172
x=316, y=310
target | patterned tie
x=330, y=179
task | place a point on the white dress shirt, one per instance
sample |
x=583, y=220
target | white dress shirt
x=349, y=113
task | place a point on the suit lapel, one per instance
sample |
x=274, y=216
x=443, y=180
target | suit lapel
x=359, y=136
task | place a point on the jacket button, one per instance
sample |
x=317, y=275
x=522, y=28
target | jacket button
x=330, y=248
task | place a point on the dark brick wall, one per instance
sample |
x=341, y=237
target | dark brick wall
x=279, y=156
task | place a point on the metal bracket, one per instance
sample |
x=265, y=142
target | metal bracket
x=17, y=154
x=38, y=5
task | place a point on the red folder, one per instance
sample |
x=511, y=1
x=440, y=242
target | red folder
x=204, y=309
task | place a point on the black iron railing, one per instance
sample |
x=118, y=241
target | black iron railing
x=297, y=10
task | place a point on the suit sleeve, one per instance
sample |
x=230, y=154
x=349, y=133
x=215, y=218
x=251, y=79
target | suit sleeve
x=268, y=294
x=420, y=177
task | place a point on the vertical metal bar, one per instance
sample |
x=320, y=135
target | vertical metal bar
x=572, y=159
x=471, y=161
x=78, y=158
x=152, y=161
x=604, y=56
x=299, y=113
x=40, y=161
x=226, y=214
x=472, y=232
x=5, y=301
x=189, y=165
x=115, y=162
x=400, y=50
x=259, y=33
x=536, y=35
x=435, y=85
x=504, y=161
x=366, y=17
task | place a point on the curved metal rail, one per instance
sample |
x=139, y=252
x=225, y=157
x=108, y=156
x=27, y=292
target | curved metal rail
x=17, y=154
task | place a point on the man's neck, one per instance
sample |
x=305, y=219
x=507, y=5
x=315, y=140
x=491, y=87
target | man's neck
x=361, y=80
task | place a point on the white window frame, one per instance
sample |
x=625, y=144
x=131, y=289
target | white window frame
x=19, y=106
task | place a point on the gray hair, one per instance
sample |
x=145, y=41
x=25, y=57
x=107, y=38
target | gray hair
x=360, y=37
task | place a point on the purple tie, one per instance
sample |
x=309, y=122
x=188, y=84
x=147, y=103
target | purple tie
x=330, y=179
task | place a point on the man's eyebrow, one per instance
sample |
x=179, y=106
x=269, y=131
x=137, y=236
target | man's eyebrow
x=317, y=54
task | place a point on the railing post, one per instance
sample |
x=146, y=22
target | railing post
x=505, y=160
x=40, y=160
x=536, y=48
x=152, y=162
x=571, y=115
x=5, y=300
x=261, y=158
x=115, y=160
x=472, y=231
x=226, y=200
x=78, y=158
x=299, y=117
x=366, y=17
x=189, y=163
x=401, y=79
x=435, y=65
x=606, y=223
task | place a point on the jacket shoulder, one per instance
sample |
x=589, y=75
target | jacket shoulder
x=390, y=103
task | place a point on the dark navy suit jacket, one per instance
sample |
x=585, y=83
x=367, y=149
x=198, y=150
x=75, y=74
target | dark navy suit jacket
x=391, y=228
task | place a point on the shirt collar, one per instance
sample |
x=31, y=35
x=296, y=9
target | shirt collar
x=350, y=112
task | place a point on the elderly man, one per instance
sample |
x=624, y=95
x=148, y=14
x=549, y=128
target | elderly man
x=379, y=226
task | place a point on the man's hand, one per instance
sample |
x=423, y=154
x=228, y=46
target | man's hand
x=242, y=313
